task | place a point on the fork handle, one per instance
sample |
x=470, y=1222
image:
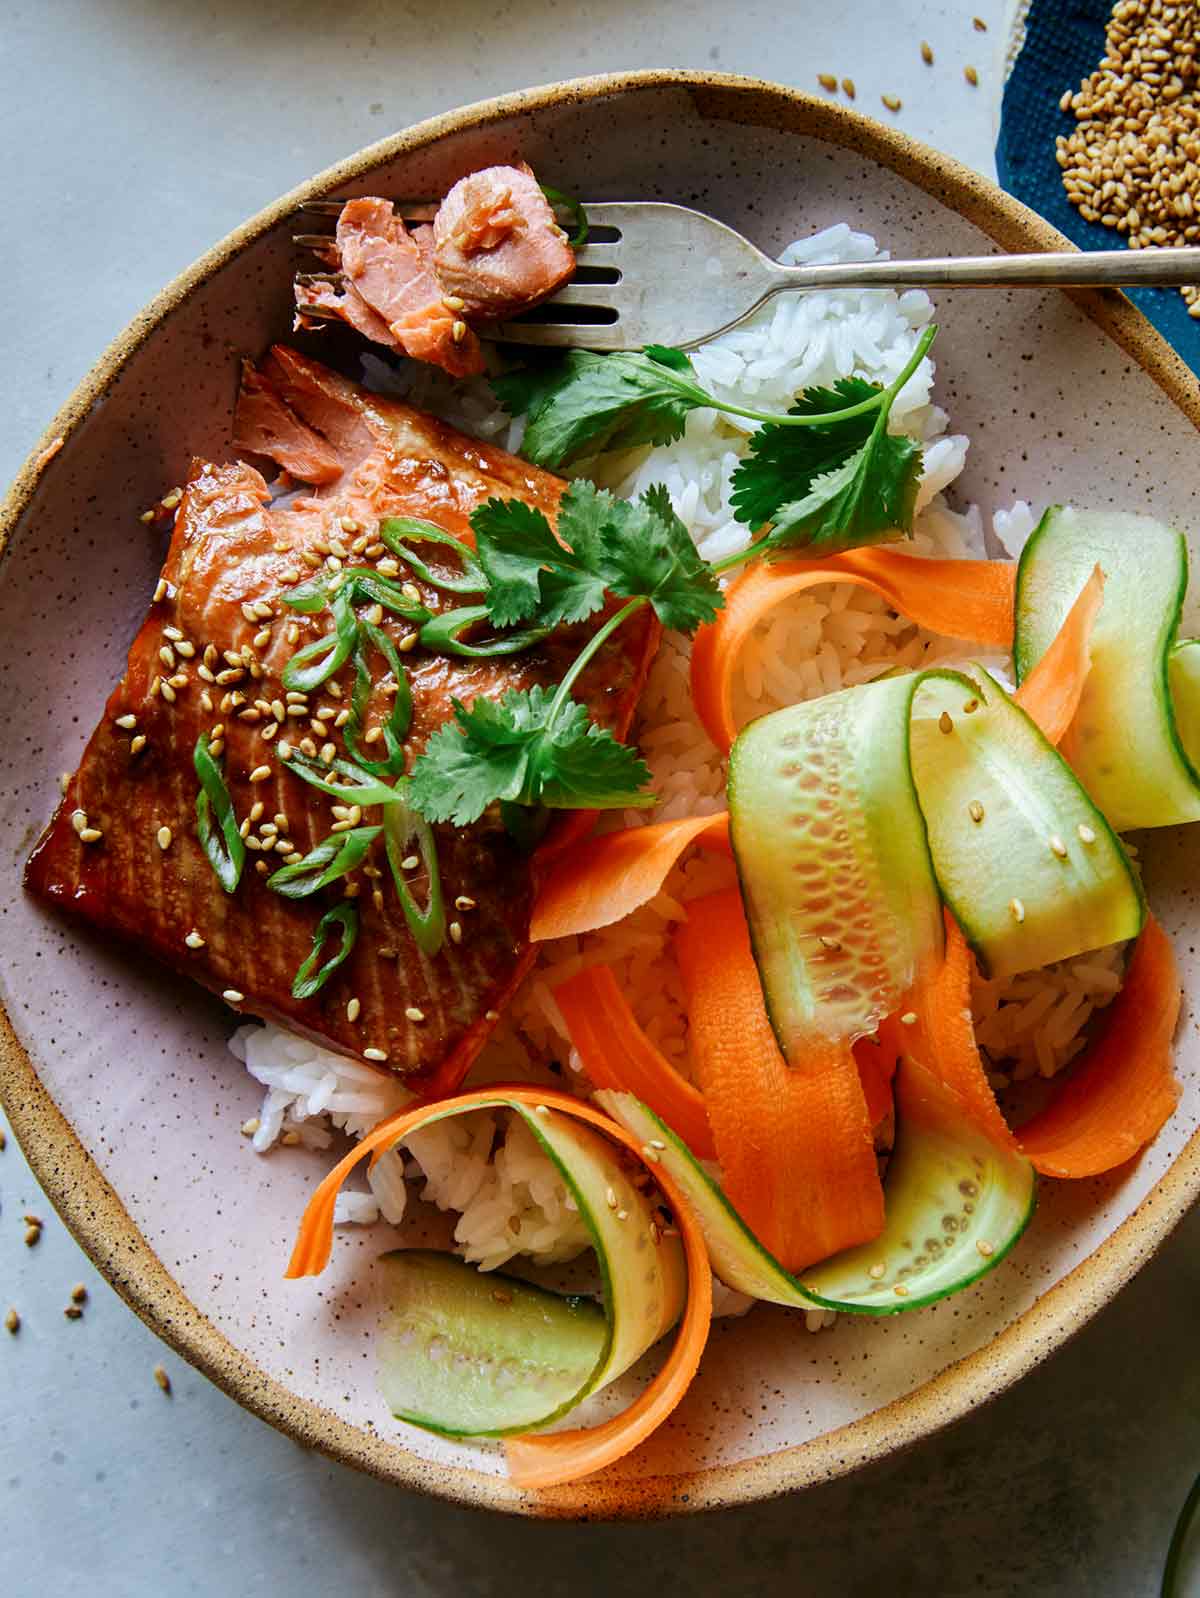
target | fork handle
x=1062, y=269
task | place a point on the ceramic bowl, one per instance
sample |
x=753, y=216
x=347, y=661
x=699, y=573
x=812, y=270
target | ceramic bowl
x=115, y=1075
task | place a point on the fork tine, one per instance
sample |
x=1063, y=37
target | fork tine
x=314, y=241
x=584, y=294
x=561, y=335
x=304, y=278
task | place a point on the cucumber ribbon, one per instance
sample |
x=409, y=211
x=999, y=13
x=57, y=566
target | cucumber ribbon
x=653, y=1272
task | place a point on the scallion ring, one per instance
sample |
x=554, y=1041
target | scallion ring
x=444, y=634
x=216, y=820
x=398, y=532
x=402, y=828
x=336, y=856
x=311, y=978
x=399, y=719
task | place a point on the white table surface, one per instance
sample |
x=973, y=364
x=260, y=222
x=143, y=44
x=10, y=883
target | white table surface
x=136, y=132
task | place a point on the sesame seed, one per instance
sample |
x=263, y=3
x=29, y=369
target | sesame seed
x=452, y=302
x=163, y=1380
x=410, y=862
x=12, y=1322
x=163, y=836
x=90, y=835
x=1086, y=833
x=877, y=1271
x=205, y=674
x=650, y=1153
x=1057, y=846
x=79, y=819
x=64, y=781
x=541, y=1109
x=374, y=1054
x=79, y=1293
x=216, y=748
x=3, y=1140
x=33, y=1235
x=260, y=774
x=263, y=609
x=194, y=940
x=411, y=591
x=167, y=692
x=463, y=903
x=413, y=1014
x=169, y=501
x=256, y=811
x=179, y=680
x=160, y=587
x=827, y=81
x=73, y=1312
x=388, y=567
x=232, y=996
x=231, y=674
x=945, y=722
x=909, y=1018
x=1016, y=909
x=900, y=1290
x=254, y=844
x=155, y=685
x=250, y=1127
x=334, y=689
x=285, y=749
x=979, y=24
x=971, y=706
x=975, y=810
x=248, y=611
x=985, y=1248
x=353, y=1010
x=971, y=76
x=455, y=931
x=622, y=1215
x=409, y=641
x=328, y=753
x=892, y=101
x=128, y=722
x=458, y=331
x=926, y=53
x=290, y=1139
x=262, y=638
x=186, y=649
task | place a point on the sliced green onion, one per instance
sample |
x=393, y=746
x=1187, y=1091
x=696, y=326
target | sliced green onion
x=337, y=856
x=402, y=828
x=309, y=980
x=369, y=585
x=359, y=786
x=396, y=529
x=395, y=728
x=310, y=596
x=316, y=662
x=222, y=842
x=575, y=207
x=443, y=635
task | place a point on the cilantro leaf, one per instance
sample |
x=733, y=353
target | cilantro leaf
x=635, y=550
x=642, y=549
x=596, y=402
x=862, y=501
x=832, y=486
x=512, y=752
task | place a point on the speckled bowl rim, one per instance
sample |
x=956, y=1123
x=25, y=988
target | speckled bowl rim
x=98, y=1219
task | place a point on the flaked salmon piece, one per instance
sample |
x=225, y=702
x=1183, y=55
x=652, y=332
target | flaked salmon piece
x=496, y=245
x=346, y=304
x=208, y=658
x=381, y=261
x=262, y=423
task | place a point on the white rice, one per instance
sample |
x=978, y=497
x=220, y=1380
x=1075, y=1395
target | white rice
x=509, y=1198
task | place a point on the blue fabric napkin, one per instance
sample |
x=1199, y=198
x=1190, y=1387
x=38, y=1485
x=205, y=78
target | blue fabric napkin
x=1064, y=43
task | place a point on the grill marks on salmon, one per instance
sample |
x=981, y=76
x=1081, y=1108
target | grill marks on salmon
x=231, y=553
x=494, y=249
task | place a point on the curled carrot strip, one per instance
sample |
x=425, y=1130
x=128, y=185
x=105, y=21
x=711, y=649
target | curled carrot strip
x=962, y=598
x=1112, y=1102
x=617, y=1054
x=537, y=1462
x=1050, y=694
x=1124, y=1088
x=794, y=1144
x=606, y=878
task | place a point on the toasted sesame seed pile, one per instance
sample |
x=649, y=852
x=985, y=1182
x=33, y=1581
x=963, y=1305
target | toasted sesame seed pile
x=1133, y=161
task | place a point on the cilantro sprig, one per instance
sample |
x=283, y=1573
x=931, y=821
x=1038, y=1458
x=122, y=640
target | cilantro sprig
x=533, y=747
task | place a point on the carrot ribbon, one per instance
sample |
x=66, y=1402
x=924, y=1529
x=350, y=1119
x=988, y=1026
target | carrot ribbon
x=962, y=598
x=794, y=1143
x=539, y=1462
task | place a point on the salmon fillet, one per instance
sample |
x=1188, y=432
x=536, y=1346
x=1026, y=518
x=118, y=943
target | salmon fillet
x=208, y=659
x=494, y=249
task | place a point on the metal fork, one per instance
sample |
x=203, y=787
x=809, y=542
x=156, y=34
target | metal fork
x=652, y=273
